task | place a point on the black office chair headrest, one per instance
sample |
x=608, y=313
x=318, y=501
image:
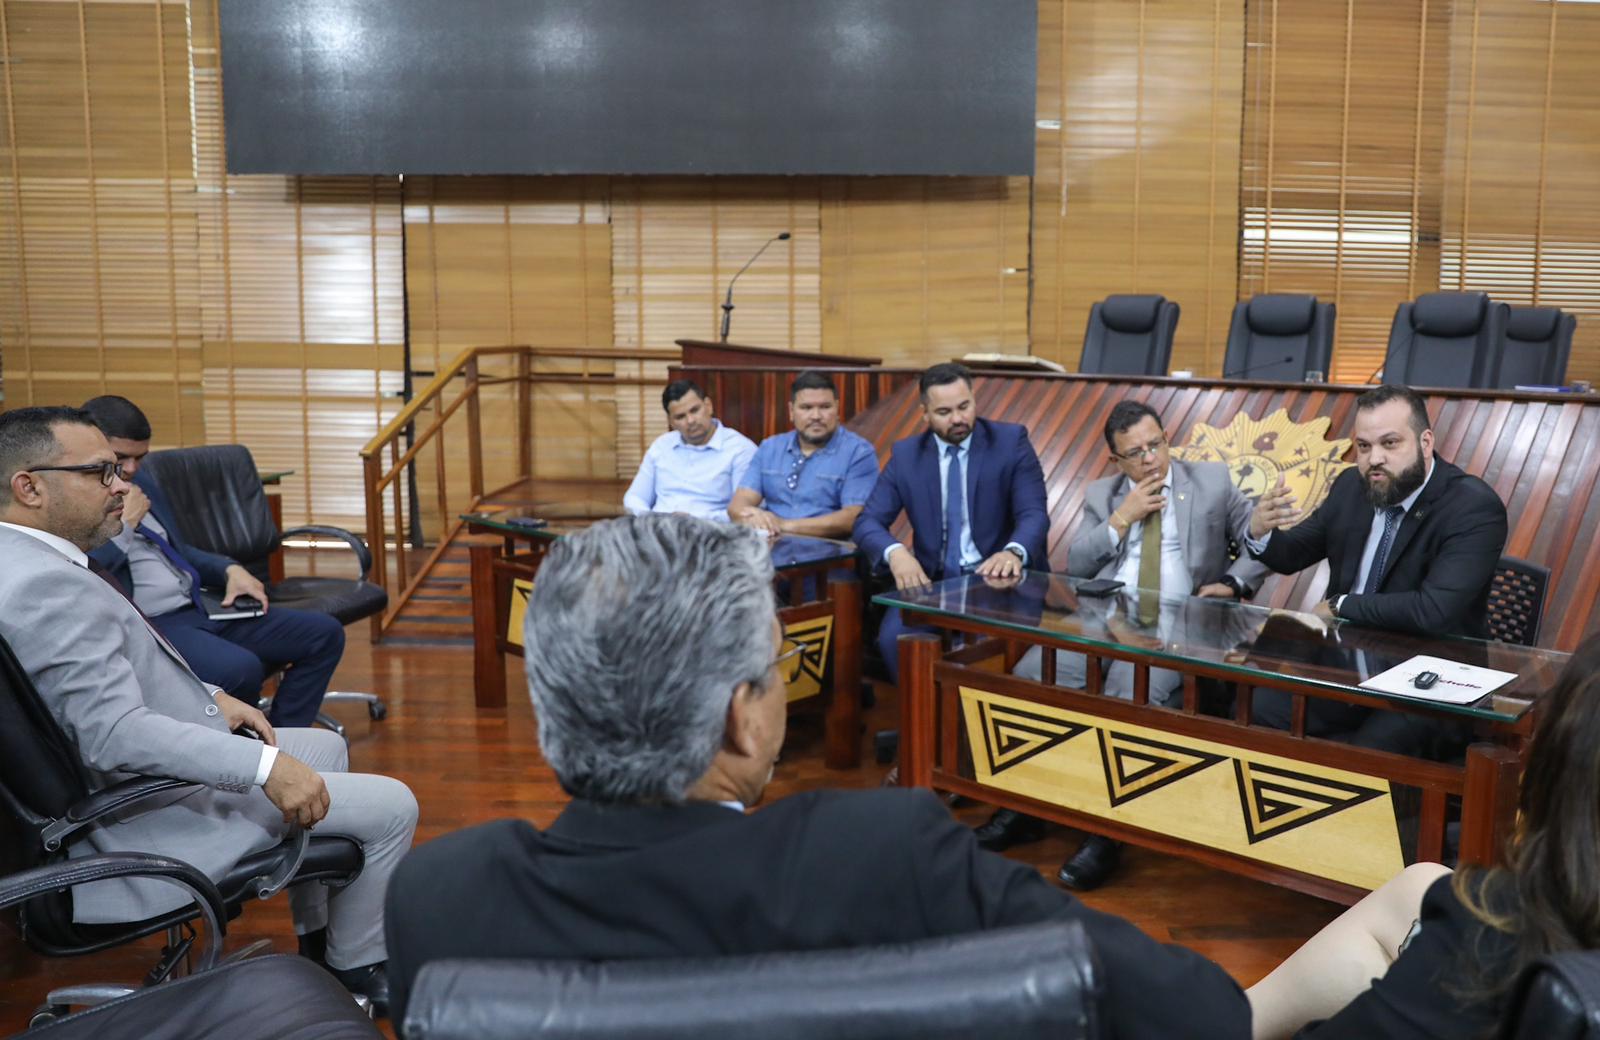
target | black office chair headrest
x=1131, y=313
x=1449, y=314
x=1281, y=314
x=216, y=492
x=1533, y=324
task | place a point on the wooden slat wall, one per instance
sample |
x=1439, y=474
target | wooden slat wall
x=1540, y=454
x=1521, y=217
x=99, y=280
x=916, y=269
x=1207, y=148
x=1138, y=188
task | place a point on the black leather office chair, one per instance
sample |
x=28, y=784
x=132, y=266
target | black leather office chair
x=44, y=787
x=1445, y=339
x=1034, y=981
x=216, y=492
x=1516, y=601
x=1535, y=348
x=1129, y=335
x=263, y=998
x=1556, y=998
x=1280, y=337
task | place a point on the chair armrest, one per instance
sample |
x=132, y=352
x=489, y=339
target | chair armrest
x=359, y=547
x=118, y=797
x=52, y=877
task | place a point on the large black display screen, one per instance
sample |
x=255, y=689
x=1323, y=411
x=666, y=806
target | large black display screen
x=629, y=86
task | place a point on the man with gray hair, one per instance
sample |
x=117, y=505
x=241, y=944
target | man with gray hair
x=655, y=665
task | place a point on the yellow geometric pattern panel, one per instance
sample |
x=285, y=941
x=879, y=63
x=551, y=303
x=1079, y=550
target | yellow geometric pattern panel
x=521, y=589
x=1321, y=821
x=1259, y=451
x=807, y=670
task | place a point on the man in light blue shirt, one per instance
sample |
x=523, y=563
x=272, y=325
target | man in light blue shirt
x=812, y=480
x=694, y=467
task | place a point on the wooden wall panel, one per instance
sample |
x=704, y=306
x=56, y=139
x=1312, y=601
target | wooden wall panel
x=1521, y=217
x=96, y=191
x=1137, y=167
x=922, y=269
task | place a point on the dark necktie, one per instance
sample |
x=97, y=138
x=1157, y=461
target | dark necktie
x=1150, y=570
x=955, y=514
x=175, y=558
x=1380, y=559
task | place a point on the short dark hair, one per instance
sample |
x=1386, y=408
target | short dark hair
x=1382, y=395
x=28, y=438
x=811, y=380
x=943, y=375
x=118, y=417
x=679, y=388
x=1125, y=416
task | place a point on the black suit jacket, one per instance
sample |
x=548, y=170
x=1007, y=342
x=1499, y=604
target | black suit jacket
x=1441, y=564
x=820, y=870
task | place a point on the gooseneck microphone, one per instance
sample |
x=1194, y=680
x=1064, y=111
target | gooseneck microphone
x=727, y=303
x=1286, y=359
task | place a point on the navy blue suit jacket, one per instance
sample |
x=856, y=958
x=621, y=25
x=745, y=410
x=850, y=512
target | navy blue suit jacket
x=1005, y=494
x=211, y=566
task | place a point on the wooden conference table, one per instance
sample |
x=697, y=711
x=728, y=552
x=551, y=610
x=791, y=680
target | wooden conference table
x=817, y=575
x=1311, y=814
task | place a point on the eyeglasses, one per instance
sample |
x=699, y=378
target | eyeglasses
x=1153, y=448
x=789, y=654
x=107, y=470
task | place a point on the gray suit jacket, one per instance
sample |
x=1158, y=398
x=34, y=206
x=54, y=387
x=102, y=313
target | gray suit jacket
x=1210, y=511
x=132, y=706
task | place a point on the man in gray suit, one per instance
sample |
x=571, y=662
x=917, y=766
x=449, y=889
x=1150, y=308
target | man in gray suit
x=1155, y=524
x=131, y=705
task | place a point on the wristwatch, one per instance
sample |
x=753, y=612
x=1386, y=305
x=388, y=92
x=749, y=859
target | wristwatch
x=1018, y=553
x=1240, y=592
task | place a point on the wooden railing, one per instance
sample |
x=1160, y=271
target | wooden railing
x=402, y=442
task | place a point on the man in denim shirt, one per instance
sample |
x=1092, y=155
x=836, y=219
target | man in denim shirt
x=812, y=480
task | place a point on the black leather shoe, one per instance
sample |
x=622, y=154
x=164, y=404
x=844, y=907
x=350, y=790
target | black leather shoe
x=370, y=981
x=1006, y=828
x=1094, y=862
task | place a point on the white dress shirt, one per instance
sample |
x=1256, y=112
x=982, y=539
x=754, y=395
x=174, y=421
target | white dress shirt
x=269, y=754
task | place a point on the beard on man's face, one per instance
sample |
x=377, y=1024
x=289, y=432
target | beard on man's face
x=1395, y=490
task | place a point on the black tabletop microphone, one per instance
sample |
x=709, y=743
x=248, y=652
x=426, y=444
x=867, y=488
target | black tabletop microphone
x=1286, y=359
x=1373, y=378
x=727, y=303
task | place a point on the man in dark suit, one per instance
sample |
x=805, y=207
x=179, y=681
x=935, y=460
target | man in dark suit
x=1411, y=543
x=973, y=490
x=164, y=574
x=654, y=664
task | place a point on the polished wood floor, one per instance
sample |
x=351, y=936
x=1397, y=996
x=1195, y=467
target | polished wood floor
x=467, y=766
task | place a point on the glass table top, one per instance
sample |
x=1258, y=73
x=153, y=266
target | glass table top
x=789, y=552
x=1239, y=638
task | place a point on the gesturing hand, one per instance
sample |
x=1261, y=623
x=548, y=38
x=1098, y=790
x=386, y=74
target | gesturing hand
x=1276, y=508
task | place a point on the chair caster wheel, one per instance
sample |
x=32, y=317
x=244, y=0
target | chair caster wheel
x=377, y=710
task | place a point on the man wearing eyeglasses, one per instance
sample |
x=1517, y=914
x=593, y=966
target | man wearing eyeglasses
x=1157, y=525
x=812, y=480
x=130, y=704
x=149, y=559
